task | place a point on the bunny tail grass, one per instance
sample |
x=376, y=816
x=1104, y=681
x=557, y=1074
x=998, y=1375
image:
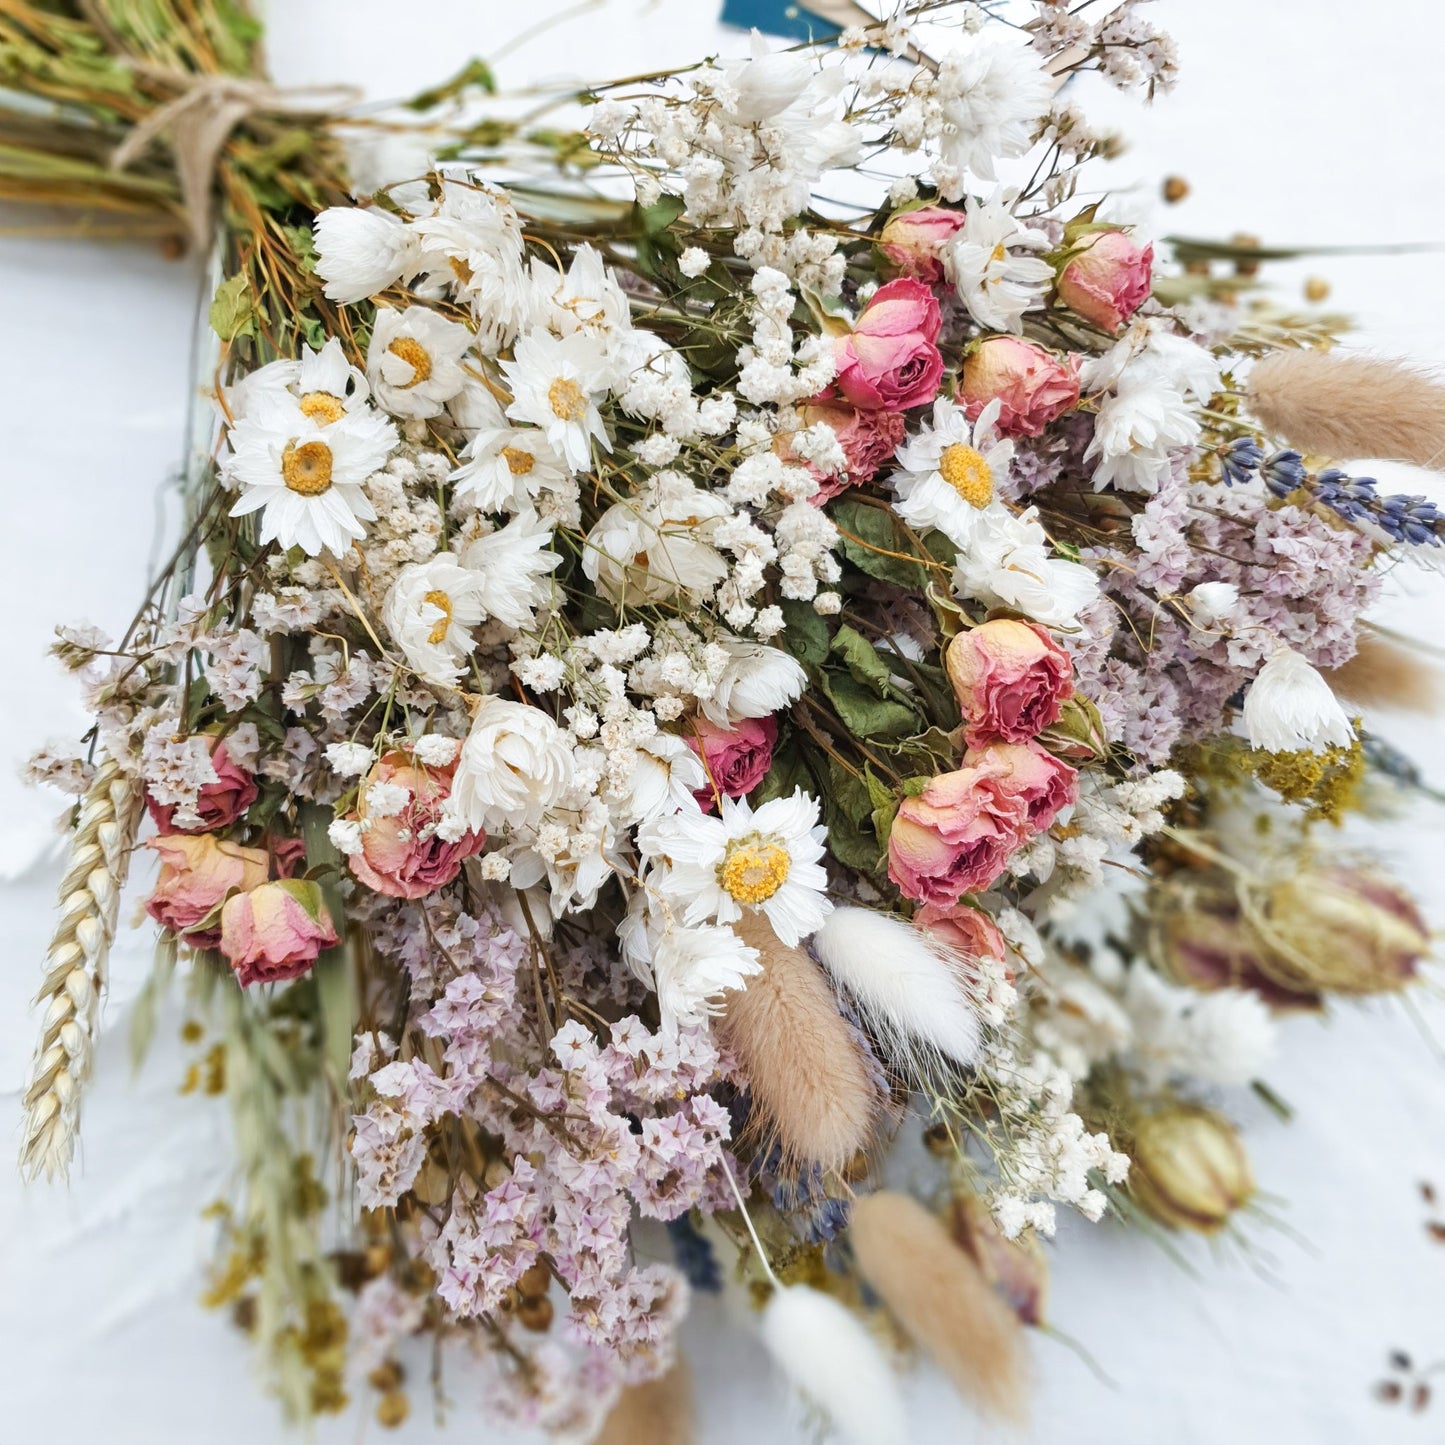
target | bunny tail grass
x=830, y=1358
x=806, y=1078
x=1384, y=674
x=1345, y=407
x=942, y=1300
x=657, y=1412
x=909, y=986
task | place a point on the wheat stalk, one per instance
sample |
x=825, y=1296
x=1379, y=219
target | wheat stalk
x=75, y=970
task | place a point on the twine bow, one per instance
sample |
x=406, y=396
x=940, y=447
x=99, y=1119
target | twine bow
x=200, y=120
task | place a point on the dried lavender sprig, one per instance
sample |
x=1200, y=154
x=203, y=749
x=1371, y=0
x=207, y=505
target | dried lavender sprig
x=76, y=970
x=1403, y=517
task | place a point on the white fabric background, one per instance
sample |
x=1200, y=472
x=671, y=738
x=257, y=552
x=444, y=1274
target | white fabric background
x=1301, y=120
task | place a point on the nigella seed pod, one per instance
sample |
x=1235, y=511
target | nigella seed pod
x=1343, y=930
x=1189, y=1169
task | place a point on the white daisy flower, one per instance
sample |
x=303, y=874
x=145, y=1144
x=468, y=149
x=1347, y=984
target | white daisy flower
x=996, y=285
x=1008, y=563
x=512, y=564
x=323, y=383
x=657, y=545
x=414, y=361
x=503, y=468
x=431, y=611
x=764, y=861
x=949, y=471
x=587, y=298
x=555, y=385
x=665, y=776
x=994, y=98
x=307, y=471
x=1290, y=708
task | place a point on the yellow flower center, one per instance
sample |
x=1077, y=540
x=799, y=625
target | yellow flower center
x=519, y=460
x=566, y=400
x=965, y=470
x=307, y=469
x=460, y=270
x=322, y=407
x=443, y=604
x=999, y=253
x=415, y=355
x=754, y=870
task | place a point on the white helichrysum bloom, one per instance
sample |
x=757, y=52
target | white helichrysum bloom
x=755, y=681
x=763, y=861
x=513, y=563
x=996, y=285
x=360, y=252
x=1007, y=562
x=587, y=298
x=555, y=385
x=689, y=967
x=1151, y=373
x=323, y=383
x=413, y=362
x=993, y=99
x=431, y=612
x=1289, y=707
x=348, y=760
x=658, y=544
x=515, y=765
x=571, y=849
x=474, y=408
x=1225, y=1037
x=665, y=775
x=950, y=469
x=307, y=471
x=1212, y=602
x=504, y=467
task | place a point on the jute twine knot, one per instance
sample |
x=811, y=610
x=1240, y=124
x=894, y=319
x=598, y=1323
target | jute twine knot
x=200, y=120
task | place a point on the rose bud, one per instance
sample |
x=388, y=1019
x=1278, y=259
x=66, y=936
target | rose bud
x=198, y=873
x=1189, y=1168
x=868, y=440
x=737, y=759
x=1342, y=930
x=1044, y=785
x=401, y=854
x=220, y=803
x=276, y=931
x=912, y=241
x=1016, y=1268
x=1107, y=279
x=890, y=360
x=955, y=837
x=1011, y=680
x=1032, y=386
x=970, y=932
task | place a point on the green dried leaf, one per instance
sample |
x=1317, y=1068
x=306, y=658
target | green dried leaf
x=805, y=633
x=870, y=535
x=233, y=310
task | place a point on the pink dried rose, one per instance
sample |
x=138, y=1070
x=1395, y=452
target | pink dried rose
x=1036, y=779
x=868, y=440
x=275, y=931
x=912, y=241
x=968, y=931
x=737, y=759
x=198, y=873
x=955, y=837
x=890, y=360
x=219, y=804
x=1032, y=386
x=1107, y=279
x=401, y=854
x=1011, y=680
